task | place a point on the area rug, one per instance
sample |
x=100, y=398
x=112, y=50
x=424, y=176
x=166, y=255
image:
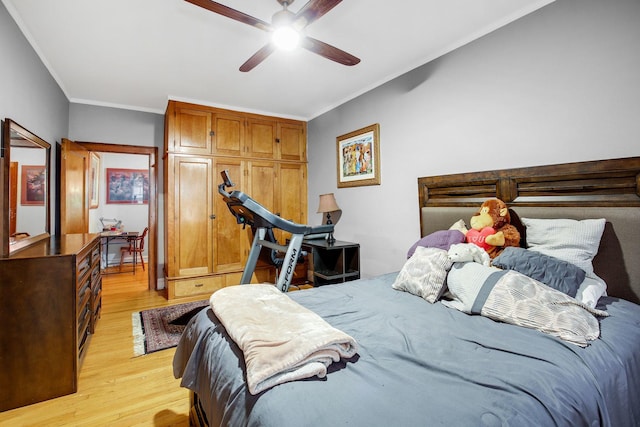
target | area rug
x=160, y=328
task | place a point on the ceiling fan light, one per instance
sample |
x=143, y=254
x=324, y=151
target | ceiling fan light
x=286, y=38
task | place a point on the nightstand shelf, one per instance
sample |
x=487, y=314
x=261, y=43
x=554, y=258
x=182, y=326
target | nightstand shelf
x=333, y=263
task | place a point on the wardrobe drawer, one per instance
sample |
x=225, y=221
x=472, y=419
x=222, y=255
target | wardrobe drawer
x=201, y=285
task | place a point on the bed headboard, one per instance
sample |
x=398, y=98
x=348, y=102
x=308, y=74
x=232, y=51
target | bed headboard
x=596, y=189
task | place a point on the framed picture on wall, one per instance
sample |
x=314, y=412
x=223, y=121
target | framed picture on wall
x=359, y=157
x=127, y=186
x=34, y=185
x=94, y=180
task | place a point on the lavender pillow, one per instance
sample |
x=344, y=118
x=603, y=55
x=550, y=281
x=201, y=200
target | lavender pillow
x=441, y=239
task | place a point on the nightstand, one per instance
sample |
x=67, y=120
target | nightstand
x=333, y=263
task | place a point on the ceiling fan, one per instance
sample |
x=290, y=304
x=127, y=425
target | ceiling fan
x=309, y=13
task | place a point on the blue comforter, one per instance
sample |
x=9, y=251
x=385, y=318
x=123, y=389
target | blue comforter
x=428, y=365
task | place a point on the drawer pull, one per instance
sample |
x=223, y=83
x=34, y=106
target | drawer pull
x=199, y=285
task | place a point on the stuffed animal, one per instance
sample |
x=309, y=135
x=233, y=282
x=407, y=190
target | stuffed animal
x=491, y=228
x=468, y=252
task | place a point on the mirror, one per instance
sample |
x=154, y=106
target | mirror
x=25, y=188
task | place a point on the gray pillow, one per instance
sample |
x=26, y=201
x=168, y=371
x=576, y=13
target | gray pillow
x=573, y=241
x=556, y=273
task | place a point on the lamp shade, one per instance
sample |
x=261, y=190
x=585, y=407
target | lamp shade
x=328, y=203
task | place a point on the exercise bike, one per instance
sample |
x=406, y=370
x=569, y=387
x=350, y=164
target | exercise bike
x=248, y=212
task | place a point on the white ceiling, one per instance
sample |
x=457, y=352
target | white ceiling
x=137, y=54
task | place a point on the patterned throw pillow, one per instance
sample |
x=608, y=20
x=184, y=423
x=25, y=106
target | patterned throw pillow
x=424, y=273
x=512, y=297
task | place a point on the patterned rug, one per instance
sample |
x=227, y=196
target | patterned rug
x=160, y=328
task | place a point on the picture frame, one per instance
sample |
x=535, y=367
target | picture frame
x=33, y=185
x=94, y=179
x=358, y=155
x=127, y=186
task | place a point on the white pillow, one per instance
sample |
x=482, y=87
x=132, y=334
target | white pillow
x=572, y=241
x=460, y=226
x=591, y=290
x=424, y=273
x=464, y=282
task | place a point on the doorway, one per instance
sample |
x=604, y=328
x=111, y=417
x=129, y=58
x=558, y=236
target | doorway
x=152, y=154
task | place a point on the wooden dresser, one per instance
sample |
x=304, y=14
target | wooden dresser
x=51, y=295
x=205, y=249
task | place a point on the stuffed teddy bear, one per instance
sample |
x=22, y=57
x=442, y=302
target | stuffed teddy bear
x=468, y=252
x=491, y=228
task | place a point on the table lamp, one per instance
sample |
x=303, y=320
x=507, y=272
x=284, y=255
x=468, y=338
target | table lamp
x=327, y=205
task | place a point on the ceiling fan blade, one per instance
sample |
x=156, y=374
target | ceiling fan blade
x=231, y=13
x=257, y=58
x=329, y=52
x=313, y=10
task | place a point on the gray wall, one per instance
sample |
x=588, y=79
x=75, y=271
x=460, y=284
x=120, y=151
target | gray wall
x=117, y=126
x=31, y=96
x=559, y=85
x=28, y=93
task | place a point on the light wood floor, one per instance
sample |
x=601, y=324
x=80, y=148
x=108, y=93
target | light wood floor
x=116, y=389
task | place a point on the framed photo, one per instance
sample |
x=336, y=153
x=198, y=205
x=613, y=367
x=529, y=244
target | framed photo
x=94, y=179
x=34, y=185
x=359, y=157
x=129, y=186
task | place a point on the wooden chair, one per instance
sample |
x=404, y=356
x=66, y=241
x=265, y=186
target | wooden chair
x=136, y=246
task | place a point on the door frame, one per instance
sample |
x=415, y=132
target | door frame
x=152, y=153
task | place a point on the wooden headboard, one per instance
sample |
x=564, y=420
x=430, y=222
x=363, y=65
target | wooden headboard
x=596, y=189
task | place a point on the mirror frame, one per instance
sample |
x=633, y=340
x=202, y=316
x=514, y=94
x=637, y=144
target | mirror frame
x=5, y=161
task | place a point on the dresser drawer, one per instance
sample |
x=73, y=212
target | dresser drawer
x=83, y=331
x=83, y=266
x=84, y=295
x=202, y=285
x=96, y=307
x=96, y=279
x=95, y=254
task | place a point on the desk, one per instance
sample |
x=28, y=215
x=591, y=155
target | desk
x=117, y=236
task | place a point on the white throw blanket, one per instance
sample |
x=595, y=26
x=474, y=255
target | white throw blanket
x=281, y=340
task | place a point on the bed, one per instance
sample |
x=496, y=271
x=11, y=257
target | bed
x=423, y=363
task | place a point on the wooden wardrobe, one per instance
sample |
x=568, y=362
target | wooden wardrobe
x=205, y=249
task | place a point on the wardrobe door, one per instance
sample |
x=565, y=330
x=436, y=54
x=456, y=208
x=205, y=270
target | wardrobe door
x=231, y=241
x=261, y=138
x=190, y=131
x=291, y=190
x=229, y=134
x=190, y=216
x=292, y=143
